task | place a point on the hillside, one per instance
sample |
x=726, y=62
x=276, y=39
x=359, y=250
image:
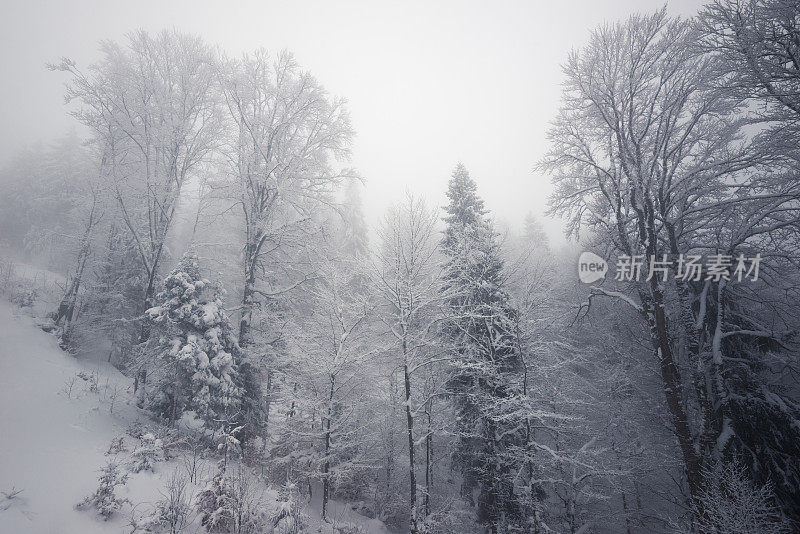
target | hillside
x=59, y=415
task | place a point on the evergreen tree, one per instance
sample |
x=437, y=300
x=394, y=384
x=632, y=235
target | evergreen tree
x=533, y=233
x=758, y=417
x=193, y=348
x=353, y=231
x=105, y=499
x=487, y=365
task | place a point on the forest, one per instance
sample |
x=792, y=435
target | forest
x=204, y=233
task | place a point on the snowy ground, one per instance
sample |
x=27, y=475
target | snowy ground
x=55, y=431
x=52, y=440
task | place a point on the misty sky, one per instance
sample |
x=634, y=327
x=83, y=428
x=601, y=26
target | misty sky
x=428, y=83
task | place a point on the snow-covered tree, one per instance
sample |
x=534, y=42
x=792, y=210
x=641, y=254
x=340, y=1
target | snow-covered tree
x=112, y=297
x=334, y=379
x=406, y=277
x=755, y=44
x=215, y=502
x=734, y=505
x=192, y=349
x=285, y=134
x=152, y=110
x=51, y=207
x=354, y=232
x=104, y=499
x=146, y=454
x=487, y=363
x=646, y=148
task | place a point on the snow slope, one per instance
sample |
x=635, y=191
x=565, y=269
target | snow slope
x=55, y=431
x=52, y=440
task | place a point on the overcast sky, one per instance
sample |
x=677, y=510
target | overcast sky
x=429, y=84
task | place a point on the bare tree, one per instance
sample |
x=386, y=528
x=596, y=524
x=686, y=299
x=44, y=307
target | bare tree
x=407, y=278
x=65, y=313
x=286, y=132
x=333, y=375
x=152, y=108
x=758, y=45
x=649, y=154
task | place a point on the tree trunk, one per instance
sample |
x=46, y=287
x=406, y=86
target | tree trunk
x=144, y=332
x=428, y=459
x=326, y=472
x=653, y=309
x=326, y=465
x=410, y=429
x=174, y=408
x=248, y=297
x=390, y=434
x=66, y=308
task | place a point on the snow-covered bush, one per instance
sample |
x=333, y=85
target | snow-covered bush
x=20, y=291
x=289, y=517
x=233, y=502
x=248, y=505
x=215, y=503
x=104, y=499
x=730, y=503
x=192, y=348
x=24, y=296
x=353, y=485
x=171, y=439
x=117, y=446
x=135, y=429
x=390, y=508
x=91, y=380
x=149, y=452
x=173, y=511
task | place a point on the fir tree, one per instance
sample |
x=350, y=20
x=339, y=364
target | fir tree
x=480, y=331
x=757, y=420
x=105, y=499
x=533, y=233
x=194, y=348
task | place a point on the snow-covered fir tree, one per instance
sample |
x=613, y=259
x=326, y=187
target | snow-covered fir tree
x=192, y=349
x=486, y=362
x=105, y=499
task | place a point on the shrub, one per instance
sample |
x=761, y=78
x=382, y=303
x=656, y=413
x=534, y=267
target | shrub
x=104, y=499
x=173, y=510
x=147, y=454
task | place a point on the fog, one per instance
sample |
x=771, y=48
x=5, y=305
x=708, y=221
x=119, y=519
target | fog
x=429, y=83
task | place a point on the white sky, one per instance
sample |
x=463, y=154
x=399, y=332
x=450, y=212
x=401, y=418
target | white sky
x=428, y=83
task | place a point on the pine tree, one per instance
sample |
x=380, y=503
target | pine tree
x=487, y=365
x=193, y=348
x=215, y=503
x=104, y=499
x=533, y=233
x=353, y=229
x=758, y=419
